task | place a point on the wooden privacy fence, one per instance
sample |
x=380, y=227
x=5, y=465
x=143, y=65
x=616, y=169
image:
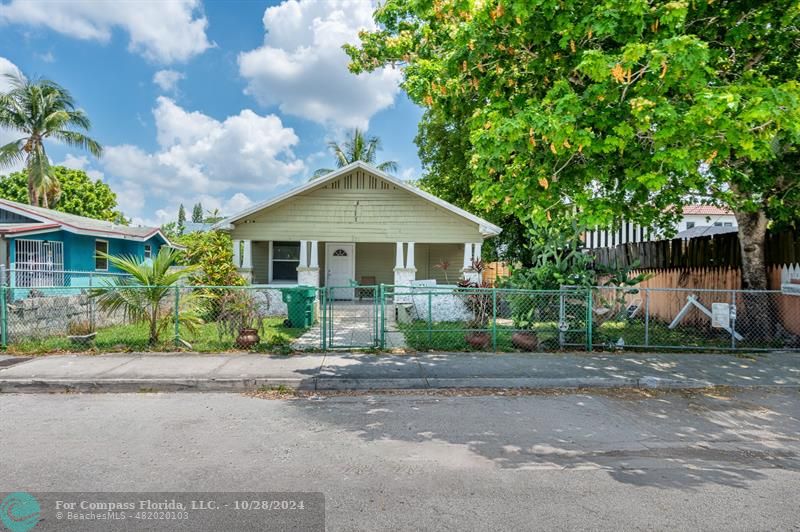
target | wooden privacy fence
x=665, y=304
x=708, y=251
x=493, y=270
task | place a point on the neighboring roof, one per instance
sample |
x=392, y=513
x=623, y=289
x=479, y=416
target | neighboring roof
x=76, y=224
x=705, y=230
x=487, y=228
x=706, y=210
x=26, y=228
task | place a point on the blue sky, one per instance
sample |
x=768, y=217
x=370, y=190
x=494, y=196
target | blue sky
x=221, y=102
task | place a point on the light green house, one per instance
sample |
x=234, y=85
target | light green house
x=356, y=225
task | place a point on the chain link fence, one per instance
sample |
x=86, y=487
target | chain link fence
x=118, y=316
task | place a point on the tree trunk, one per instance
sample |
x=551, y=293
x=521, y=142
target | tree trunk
x=755, y=316
x=153, y=327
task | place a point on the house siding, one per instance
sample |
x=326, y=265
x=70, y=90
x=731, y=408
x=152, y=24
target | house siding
x=358, y=207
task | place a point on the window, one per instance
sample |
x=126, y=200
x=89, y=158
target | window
x=717, y=224
x=689, y=225
x=100, y=263
x=340, y=253
x=148, y=251
x=727, y=224
x=285, y=260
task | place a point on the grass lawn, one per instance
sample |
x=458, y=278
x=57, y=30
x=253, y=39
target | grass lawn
x=120, y=338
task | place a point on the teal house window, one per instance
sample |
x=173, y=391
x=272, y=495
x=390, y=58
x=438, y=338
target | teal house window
x=100, y=263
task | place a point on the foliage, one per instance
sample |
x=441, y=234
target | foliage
x=80, y=328
x=599, y=110
x=357, y=148
x=212, y=253
x=477, y=297
x=197, y=213
x=237, y=310
x=78, y=194
x=181, y=224
x=213, y=216
x=35, y=110
x=143, y=295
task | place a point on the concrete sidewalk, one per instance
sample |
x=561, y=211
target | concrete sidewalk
x=348, y=371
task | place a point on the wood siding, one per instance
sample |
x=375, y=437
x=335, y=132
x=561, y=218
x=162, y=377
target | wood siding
x=357, y=207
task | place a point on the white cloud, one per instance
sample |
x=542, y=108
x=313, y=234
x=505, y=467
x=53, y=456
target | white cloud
x=160, y=31
x=168, y=80
x=201, y=157
x=6, y=135
x=81, y=162
x=302, y=68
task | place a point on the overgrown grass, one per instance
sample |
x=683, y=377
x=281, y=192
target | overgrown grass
x=133, y=337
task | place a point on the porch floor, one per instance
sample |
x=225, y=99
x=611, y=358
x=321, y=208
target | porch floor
x=353, y=327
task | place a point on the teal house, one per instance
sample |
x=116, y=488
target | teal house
x=41, y=247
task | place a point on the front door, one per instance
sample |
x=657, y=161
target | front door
x=340, y=263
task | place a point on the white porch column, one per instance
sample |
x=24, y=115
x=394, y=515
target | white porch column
x=308, y=271
x=477, y=247
x=398, y=256
x=467, y=256
x=247, y=260
x=410, y=256
x=314, y=254
x=404, y=273
x=237, y=255
x=303, y=254
x=468, y=271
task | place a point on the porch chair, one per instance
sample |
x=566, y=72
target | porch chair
x=366, y=286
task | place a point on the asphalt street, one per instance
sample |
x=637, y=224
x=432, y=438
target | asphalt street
x=568, y=461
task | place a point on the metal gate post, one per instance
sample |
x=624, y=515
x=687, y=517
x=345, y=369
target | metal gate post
x=494, y=319
x=562, y=318
x=177, y=313
x=430, y=320
x=732, y=311
x=323, y=326
x=382, y=292
x=589, y=320
x=647, y=317
x=3, y=317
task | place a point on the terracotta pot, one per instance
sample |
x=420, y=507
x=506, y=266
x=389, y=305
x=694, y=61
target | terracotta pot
x=525, y=340
x=247, y=338
x=478, y=340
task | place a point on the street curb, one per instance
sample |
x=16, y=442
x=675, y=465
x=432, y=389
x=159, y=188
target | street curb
x=238, y=385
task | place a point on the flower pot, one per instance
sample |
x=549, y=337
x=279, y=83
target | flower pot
x=247, y=338
x=478, y=340
x=525, y=340
x=82, y=340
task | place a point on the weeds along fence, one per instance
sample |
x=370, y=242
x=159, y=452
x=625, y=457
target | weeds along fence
x=382, y=317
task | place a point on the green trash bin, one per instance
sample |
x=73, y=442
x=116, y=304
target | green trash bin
x=300, y=305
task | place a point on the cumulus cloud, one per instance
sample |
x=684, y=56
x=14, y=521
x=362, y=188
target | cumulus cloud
x=81, y=162
x=168, y=80
x=164, y=32
x=201, y=157
x=302, y=68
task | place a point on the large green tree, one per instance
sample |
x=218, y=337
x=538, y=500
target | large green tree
x=358, y=147
x=36, y=110
x=77, y=194
x=595, y=110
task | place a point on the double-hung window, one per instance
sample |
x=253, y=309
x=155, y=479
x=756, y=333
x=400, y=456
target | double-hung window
x=148, y=251
x=285, y=260
x=100, y=263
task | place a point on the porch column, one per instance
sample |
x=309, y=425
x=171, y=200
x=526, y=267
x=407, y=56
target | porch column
x=477, y=247
x=404, y=273
x=247, y=260
x=469, y=273
x=303, y=254
x=308, y=270
x=398, y=256
x=237, y=255
x=410, y=256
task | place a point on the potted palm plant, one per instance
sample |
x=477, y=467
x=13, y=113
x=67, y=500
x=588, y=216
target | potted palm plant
x=240, y=316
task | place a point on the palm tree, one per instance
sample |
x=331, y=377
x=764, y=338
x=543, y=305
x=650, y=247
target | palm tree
x=37, y=110
x=357, y=148
x=143, y=294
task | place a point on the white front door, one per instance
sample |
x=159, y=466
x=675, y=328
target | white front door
x=340, y=264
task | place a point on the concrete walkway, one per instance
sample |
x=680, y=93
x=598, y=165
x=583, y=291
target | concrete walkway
x=354, y=326
x=347, y=371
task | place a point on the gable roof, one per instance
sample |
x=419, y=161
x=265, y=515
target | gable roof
x=706, y=210
x=50, y=220
x=486, y=228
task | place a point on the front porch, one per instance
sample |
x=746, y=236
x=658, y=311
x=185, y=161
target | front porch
x=346, y=266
